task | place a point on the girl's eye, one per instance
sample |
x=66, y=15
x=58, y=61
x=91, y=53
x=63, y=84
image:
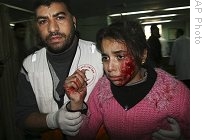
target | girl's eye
x=104, y=58
x=119, y=57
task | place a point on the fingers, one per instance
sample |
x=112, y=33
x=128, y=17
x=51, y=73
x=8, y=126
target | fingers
x=78, y=78
x=174, y=124
x=76, y=82
x=70, y=133
x=172, y=134
x=158, y=136
x=73, y=123
x=161, y=135
x=175, y=129
x=72, y=115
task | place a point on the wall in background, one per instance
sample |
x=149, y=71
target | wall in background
x=89, y=26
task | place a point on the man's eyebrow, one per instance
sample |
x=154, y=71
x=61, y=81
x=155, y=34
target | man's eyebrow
x=55, y=15
x=60, y=13
x=41, y=17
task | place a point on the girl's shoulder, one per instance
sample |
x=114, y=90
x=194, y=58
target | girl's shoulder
x=166, y=89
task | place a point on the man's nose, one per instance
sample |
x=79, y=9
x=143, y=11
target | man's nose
x=53, y=26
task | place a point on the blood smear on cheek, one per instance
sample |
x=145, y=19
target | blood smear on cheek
x=128, y=67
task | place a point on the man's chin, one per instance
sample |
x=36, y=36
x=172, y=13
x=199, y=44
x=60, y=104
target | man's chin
x=56, y=49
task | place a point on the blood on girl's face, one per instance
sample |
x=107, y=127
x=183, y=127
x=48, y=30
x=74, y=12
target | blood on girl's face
x=128, y=67
x=118, y=63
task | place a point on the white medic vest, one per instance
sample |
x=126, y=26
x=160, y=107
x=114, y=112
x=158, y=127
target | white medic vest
x=87, y=57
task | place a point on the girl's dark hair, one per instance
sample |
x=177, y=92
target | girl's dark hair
x=128, y=32
x=38, y=3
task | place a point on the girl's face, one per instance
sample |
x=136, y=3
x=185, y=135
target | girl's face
x=118, y=63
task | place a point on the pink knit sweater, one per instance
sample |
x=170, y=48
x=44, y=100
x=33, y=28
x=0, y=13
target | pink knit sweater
x=167, y=98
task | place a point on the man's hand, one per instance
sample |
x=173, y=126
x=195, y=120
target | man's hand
x=68, y=122
x=75, y=87
x=173, y=134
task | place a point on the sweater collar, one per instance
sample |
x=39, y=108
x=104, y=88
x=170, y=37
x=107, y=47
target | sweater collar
x=129, y=96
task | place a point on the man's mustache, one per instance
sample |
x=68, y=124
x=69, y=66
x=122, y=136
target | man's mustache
x=54, y=34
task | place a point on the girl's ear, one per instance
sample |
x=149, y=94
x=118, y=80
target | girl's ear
x=144, y=56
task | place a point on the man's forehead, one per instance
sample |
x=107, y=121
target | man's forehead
x=52, y=9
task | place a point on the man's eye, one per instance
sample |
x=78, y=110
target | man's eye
x=41, y=22
x=60, y=17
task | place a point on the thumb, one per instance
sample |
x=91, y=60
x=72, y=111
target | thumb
x=173, y=123
x=72, y=115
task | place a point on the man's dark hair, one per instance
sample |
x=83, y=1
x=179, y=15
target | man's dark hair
x=38, y=3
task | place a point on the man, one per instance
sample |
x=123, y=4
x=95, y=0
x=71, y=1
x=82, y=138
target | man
x=155, y=46
x=41, y=94
x=180, y=57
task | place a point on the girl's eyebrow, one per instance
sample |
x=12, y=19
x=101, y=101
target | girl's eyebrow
x=115, y=52
x=103, y=54
x=119, y=51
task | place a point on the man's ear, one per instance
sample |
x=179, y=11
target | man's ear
x=74, y=21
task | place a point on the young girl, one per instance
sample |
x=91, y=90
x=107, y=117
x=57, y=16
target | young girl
x=133, y=100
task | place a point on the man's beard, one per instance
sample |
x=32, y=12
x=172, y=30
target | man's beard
x=68, y=41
